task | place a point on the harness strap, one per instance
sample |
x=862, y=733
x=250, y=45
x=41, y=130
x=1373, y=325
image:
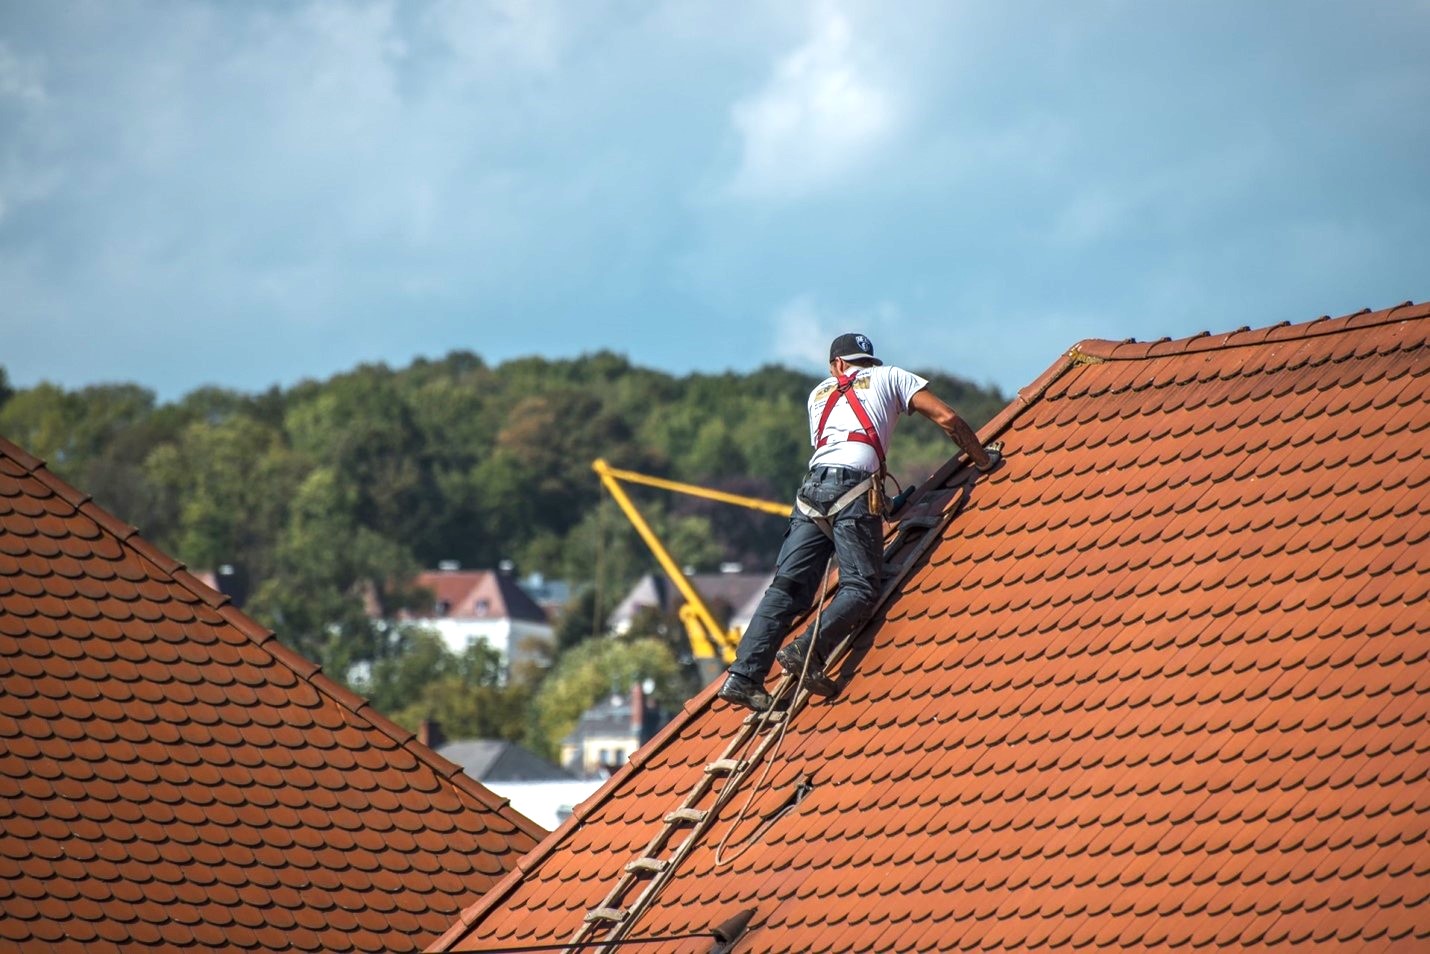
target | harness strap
x=844, y=388
x=824, y=520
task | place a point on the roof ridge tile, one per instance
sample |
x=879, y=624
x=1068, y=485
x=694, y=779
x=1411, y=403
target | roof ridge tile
x=19, y=455
x=156, y=558
x=199, y=588
x=1130, y=349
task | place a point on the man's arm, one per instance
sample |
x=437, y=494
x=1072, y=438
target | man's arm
x=928, y=404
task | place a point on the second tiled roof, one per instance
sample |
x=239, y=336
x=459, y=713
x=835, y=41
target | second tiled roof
x=171, y=777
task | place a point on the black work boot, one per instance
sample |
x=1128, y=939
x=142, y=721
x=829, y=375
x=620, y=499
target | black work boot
x=791, y=658
x=820, y=684
x=743, y=692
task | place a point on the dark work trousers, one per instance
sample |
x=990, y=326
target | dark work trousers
x=859, y=547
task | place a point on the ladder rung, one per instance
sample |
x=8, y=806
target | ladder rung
x=724, y=767
x=615, y=915
x=773, y=718
x=647, y=865
x=693, y=816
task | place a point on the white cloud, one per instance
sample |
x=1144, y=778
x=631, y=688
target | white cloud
x=803, y=330
x=20, y=79
x=1177, y=195
x=801, y=334
x=821, y=115
x=530, y=34
x=21, y=185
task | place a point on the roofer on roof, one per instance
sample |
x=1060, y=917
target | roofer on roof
x=852, y=415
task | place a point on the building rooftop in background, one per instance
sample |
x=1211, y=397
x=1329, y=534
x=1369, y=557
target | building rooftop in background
x=497, y=760
x=172, y=777
x=724, y=593
x=1160, y=681
x=477, y=594
x=610, y=731
x=487, y=606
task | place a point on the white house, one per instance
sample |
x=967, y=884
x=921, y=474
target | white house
x=487, y=605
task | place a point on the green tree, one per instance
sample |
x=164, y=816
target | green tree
x=715, y=454
x=332, y=576
x=416, y=658
x=581, y=620
x=360, y=429
x=231, y=482
x=592, y=670
x=465, y=693
x=43, y=420
x=331, y=494
x=470, y=711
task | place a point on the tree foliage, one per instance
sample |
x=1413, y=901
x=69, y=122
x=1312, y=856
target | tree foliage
x=591, y=671
x=327, y=498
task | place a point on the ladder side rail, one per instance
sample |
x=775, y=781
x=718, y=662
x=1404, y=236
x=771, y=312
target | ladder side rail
x=648, y=895
x=933, y=531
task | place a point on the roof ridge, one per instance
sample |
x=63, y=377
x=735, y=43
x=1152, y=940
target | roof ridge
x=1130, y=349
x=303, y=668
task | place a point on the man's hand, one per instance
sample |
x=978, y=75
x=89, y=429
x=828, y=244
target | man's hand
x=995, y=457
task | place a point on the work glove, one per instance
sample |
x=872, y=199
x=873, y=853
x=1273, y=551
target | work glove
x=995, y=457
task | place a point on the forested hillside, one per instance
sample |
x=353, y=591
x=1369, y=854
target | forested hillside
x=320, y=492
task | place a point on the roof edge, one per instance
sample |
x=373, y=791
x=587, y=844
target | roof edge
x=302, y=667
x=1130, y=349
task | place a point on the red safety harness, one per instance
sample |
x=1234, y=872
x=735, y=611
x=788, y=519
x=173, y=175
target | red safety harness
x=844, y=388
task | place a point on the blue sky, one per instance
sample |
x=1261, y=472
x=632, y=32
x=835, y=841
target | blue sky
x=252, y=193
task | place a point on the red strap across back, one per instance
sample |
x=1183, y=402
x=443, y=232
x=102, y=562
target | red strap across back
x=845, y=388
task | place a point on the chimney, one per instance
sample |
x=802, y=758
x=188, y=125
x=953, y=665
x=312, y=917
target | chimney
x=429, y=733
x=637, y=710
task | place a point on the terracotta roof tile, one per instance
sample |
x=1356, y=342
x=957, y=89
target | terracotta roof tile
x=1160, y=682
x=171, y=776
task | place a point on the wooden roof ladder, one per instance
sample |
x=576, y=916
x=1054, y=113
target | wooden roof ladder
x=609, y=921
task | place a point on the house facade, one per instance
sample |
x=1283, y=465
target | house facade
x=487, y=606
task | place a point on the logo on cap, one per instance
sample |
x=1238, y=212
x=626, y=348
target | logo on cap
x=863, y=344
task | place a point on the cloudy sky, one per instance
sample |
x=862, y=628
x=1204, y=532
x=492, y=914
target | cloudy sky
x=249, y=193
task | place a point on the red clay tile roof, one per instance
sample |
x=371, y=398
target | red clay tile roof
x=171, y=777
x=1161, y=681
x=479, y=594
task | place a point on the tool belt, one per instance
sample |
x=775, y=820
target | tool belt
x=823, y=517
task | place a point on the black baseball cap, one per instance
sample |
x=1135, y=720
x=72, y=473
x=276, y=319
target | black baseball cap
x=853, y=348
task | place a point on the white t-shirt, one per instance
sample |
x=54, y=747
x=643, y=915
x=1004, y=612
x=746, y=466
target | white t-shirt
x=885, y=393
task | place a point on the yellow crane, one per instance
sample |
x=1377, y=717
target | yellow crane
x=711, y=643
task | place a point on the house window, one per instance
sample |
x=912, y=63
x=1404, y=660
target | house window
x=483, y=606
